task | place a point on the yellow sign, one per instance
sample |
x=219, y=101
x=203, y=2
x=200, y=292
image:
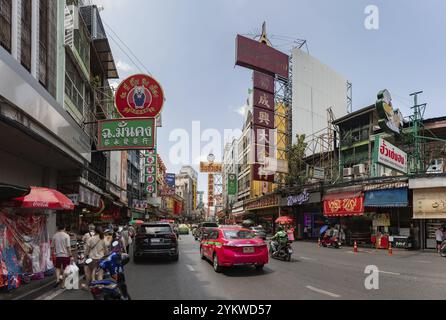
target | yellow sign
x=206, y=167
x=429, y=203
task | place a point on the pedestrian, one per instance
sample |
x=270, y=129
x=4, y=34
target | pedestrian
x=126, y=239
x=62, y=251
x=96, y=250
x=439, y=236
x=90, y=234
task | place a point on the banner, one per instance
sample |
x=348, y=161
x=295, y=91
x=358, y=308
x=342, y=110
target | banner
x=344, y=207
x=150, y=171
x=232, y=184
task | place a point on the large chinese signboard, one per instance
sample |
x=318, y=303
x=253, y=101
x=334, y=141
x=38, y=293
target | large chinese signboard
x=257, y=56
x=232, y=184
x=268, y=202
x=150, y=168
x=264, y=100
x=139, y=96
x=344, y=206
x=211, y=198
x=390, y=156
x=264, y=82
x=126, y=134
x=264, y=118
x=211, y=167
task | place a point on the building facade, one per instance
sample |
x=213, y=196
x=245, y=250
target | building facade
x=185, y=182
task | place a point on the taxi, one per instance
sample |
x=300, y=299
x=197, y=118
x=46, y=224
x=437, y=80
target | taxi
x=233, y=246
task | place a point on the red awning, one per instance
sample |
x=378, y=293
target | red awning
x=41, y=198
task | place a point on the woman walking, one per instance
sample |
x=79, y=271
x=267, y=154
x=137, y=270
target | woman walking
x=96, y=250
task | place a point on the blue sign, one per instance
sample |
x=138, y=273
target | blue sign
x=170, y=180
x=394, y=198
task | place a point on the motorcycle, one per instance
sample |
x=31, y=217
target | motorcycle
x=331, y=242
x=114, y=286
x=283, y=253
x=443, y=249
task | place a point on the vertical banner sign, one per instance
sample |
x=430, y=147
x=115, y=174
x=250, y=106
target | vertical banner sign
x=150, y=169
x=211, y=190
x=267, y=63
x=232, y=184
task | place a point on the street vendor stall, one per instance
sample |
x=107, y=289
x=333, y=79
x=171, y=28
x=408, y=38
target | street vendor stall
x=25, y=248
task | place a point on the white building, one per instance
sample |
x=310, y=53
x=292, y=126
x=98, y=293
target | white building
x=186, y=187
x=316, y=88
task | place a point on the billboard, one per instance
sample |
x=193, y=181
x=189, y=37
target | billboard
x=232, y=184
x=390, y=156
x=170, y=180
x=257, y=56
x=390, y=120
x=264, y=100
x=126, y=134
x=150, y=160
x=263, y=118
x=316, y=87
x=206, y=167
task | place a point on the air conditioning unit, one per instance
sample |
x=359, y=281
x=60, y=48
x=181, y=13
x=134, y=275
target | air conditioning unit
x=347, y=179
x=348, y=172
x=359, y=169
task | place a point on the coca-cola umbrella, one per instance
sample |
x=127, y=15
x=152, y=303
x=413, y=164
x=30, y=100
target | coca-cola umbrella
x=285, y=220
x=41, y=198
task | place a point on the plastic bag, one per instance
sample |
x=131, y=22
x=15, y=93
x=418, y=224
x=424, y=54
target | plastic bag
x=71, y=275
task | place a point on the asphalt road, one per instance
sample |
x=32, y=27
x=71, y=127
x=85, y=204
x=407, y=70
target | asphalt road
x=314, y=274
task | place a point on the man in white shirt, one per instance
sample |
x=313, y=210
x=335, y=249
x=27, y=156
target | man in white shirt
x=439, y=236
x=62, y=250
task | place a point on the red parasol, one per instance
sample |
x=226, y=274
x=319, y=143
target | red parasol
x=42, y=198
x=285, y=220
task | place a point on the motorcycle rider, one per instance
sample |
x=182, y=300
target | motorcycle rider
x=280, y=240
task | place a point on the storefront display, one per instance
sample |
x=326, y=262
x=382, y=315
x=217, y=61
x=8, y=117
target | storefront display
x=25, y=251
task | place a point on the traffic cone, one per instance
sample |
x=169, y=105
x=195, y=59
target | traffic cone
x=390, y=250
x=356, y=247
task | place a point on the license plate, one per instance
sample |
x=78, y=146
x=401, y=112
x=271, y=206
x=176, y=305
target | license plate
x=248, y=250
x=156, y=240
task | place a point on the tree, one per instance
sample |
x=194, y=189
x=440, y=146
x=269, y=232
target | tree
x=297, y=165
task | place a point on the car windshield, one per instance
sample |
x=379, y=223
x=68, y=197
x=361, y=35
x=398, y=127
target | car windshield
x=154, y=229
x=238, y=234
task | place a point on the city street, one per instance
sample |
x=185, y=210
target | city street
x=314, y=274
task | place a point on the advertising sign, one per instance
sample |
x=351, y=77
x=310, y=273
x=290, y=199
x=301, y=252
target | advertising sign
x=170, y=180
x=259, y=173
x=268, y=202
x=232, y=184
x=206, y=167
x=150, y=163
x=264, y=82
x=264, y=100
x=211, y=198
x=264, y=118
x=429, y=203
x=257, y=56
x=344, y=207
x=126, y=134
x=390, y=156
x=139, y=96
x=390, y=120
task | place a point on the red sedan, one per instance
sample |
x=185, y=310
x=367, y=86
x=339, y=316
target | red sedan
x=232, y=246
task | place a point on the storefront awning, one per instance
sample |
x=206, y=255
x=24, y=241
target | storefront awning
x=395, y=198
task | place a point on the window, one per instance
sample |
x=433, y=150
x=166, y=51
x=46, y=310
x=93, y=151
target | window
x=25, y=50
x=74, y=85
x=154, y=229
x=239, y=234
x=43, y=42
x=5, y=24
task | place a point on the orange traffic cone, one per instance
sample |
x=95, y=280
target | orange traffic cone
x=356, y=247
x=390, y=250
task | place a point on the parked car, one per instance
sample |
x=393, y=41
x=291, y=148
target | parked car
x=203, y=228
x=234, y=246
x=156, y=240
x=183, y=229
x=259, y=232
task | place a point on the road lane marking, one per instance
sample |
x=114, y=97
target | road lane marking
x=330, y=294
x=191, y=269
x=391, y=273
x=423, y=261
x=308, y=259
x=51, y=295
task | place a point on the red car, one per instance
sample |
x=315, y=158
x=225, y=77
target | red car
x=234, y=246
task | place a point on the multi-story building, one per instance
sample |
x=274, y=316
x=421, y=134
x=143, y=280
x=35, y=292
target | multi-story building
x=184, y=183
x=230, y=166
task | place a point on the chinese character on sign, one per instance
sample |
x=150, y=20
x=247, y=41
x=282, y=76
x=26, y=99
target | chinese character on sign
x=264, y=118
x=264, y=101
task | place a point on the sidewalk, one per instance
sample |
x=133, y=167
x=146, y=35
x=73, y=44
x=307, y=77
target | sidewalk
x=29, y=291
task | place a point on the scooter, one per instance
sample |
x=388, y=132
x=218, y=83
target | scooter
x=283, y=253
x=443, y=249
x=331, y=242
x=114, y=286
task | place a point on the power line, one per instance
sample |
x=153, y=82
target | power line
x=144, y=68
